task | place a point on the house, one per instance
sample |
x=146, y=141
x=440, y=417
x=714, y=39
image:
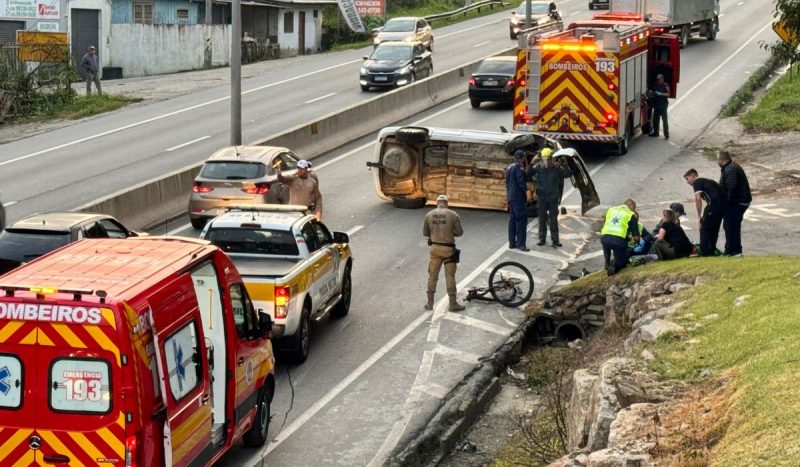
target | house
x=150, y=37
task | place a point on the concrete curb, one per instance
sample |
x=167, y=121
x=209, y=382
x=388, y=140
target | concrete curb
x=153, y=201
x=463, y=405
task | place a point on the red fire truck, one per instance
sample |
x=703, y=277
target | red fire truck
x=589, y=82
x=134, y=352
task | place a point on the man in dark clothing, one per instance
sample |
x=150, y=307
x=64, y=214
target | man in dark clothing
x=90, y=67
x=517, y=197
x=660, y=104
x=549, y=178
x=737, y=199
x=711, y=193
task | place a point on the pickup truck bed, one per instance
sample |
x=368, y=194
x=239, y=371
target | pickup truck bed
x=265, y=267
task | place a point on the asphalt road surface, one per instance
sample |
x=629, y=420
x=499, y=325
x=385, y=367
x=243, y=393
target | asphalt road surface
x=372, y=378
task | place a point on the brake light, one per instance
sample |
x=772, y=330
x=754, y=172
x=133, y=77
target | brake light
x=259, y=189
x=472, y=81
x=282, y=296
x=522, y=83
x=510, y=82
x=130, y=451
x=198, y=187
x=611, y=117
x=611, y=86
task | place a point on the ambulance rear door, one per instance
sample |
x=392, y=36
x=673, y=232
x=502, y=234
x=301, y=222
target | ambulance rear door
x=183, y=374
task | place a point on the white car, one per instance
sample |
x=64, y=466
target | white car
x=541, y=13
x=405, y=29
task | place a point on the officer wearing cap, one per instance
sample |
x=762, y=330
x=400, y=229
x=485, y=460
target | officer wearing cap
x=303, y=189
x=441, y=226
x=549, y=181
x=517, y=198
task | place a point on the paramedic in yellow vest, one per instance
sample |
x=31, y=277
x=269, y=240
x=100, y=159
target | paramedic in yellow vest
x=441, y=226
x=621, y=221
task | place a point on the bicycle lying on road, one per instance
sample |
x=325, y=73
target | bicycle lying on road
x=510, y=283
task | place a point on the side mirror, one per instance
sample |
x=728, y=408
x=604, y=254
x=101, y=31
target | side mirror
x=365, y=57
x=341, y=237
x=264, y=325
x=376, y=30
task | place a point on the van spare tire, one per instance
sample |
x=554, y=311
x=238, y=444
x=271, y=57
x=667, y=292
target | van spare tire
x=412, y=134
x=525, y=141
x=404, y=202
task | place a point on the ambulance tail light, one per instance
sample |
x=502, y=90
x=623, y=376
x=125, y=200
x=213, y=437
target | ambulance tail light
x=198, y=187
x=259, y=189
x=130, y=451
x=282, y=296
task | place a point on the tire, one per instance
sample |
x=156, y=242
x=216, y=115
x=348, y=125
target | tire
x=413, y=78
x=519, y=142
x=198, y=222
x=412, y=135
x=364, y=88
x=517, y=298
x=591, y=6
x=430, y=45
x=256, y=436
x=341, y=309
x=475, y=103
x=625, y=144
x=712, y=29
x=302, y=339
x=404, y=202
x=684, y=36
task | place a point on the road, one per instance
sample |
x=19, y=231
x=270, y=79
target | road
x=373, y=378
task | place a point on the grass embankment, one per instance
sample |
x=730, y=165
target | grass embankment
x=79, y=107
x=779, y=108
x=754, y=346
x=744, y=95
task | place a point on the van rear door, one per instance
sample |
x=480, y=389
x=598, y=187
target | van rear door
x=183, y=374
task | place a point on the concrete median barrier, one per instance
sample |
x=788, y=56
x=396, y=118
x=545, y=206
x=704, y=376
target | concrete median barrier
x=154, y=201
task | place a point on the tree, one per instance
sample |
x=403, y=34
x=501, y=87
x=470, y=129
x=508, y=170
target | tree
x=787, y=14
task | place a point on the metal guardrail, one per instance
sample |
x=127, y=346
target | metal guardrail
x=466, y=9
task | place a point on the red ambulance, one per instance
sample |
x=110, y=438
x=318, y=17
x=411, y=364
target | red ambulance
x=133, y=352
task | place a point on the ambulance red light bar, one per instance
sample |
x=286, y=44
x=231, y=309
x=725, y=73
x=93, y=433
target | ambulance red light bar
x=569, y=47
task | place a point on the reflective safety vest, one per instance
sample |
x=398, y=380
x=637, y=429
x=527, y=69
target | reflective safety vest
x=617, y=220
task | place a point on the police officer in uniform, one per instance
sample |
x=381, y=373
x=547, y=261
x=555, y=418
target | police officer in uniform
x=441, y=226
x=621, y=221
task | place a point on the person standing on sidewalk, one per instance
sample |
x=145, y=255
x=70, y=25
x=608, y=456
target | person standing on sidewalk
x=91, y=68
x=620, y=222
x=734, y=183
x=711, y=193
x=442, y=226
x=549, y=177
x=660, y=104
x=517, y=198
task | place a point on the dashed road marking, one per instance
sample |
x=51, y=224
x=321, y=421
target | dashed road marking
x=188, y=143
x=482, y=43
x=316, y=99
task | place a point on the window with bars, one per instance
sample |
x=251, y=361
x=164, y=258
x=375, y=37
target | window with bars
x=142, y=12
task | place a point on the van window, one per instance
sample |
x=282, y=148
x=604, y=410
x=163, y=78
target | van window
x=80, y=385
x=182, y=365
x=11, y=381
x=244, y=314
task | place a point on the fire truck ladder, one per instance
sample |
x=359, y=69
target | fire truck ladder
x=527, y=38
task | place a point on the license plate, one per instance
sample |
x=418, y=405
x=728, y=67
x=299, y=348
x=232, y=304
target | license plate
x=381, y=78
x=490, y=82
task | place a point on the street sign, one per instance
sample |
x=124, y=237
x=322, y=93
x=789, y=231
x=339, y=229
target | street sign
x=785, y=34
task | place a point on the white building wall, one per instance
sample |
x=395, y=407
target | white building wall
x=142, y=50
x=104, y=29
x=289, y=41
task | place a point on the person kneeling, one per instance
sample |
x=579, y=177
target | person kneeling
x=671, y=240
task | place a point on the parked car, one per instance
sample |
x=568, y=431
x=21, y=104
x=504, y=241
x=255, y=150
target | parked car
x=542, y=13
x=36, y=235
x=237, y=175
x=407, y=29
x=599, y=4
x=394, y=64
x=493, y=81
x=414, y=165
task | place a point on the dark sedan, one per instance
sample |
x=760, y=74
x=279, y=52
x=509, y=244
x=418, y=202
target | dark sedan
x=493, y=81
x=36, y=235
x=395, y=64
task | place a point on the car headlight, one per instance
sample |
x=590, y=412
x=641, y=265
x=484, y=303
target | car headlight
x=514, y=20
x=405, y=70
x=376, y=41
x=363, y=71
x=409, y=39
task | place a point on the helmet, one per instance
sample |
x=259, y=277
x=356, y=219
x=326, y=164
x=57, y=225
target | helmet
x=547, y=153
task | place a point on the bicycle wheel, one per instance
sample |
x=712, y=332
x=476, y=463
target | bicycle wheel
x=511, y=283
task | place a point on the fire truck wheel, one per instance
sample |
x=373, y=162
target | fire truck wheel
x=625, y=144
x=341, y=309
x=302, y=339
x=404, y=202
x=257, y=435
x=684, y=36
x=412, y=135
x=475, y=103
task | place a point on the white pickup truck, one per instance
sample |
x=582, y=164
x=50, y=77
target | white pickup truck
x=293, y=267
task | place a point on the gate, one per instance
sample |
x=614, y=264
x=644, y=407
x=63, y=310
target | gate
x=85, y=32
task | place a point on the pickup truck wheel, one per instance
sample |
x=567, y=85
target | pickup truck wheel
x=303, y=338
x=404, y=202
x=341, y=309
x=257, y=435
x=197, y=222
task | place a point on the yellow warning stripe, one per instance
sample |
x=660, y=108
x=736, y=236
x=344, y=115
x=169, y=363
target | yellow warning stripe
x=105, y=343
x=108, y=315
x=86, y=445
x=112, y=441
x=53, y=441
x=30, y=339
x=12, y=443
x=64, y=331
x=566, y=85
x=190, y=433
x=10, y=329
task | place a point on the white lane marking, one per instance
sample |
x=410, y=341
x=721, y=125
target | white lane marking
x=482, y=43
x=336, y=390
x=740, y=4
x=320, y=98
x=479, y=324
x=575, y=13
x=721, y=15
x=469, y=29
x=709, y=75
x=188, y=143
x=10, y=203
x=178, y=229
x=464, y=356
x=355, y=229
x=169, y=114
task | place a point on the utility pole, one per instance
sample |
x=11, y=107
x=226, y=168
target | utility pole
x=527, y=14
x=208, y=13
x=236, y=73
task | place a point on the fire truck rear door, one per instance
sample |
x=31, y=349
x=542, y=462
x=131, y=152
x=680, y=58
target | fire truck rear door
x=664, y=57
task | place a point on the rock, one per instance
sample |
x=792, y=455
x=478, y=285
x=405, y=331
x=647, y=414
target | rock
x=740, y=300
x=583, y=384
x=656, y=303
x=700, y=280
x=648, y=355
x=604, y=402
x=590, y=316
x=710, y=317
x=687, y=316
x=675, y=288
x=596, y=322
x=566, y=461
x=600, y=309
x=614, y=458
x=657, y=328
x=466, y=446
x=597, y=299
x=581, y=302
x=634, y=429
x=705, y=373
x=577, y=344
